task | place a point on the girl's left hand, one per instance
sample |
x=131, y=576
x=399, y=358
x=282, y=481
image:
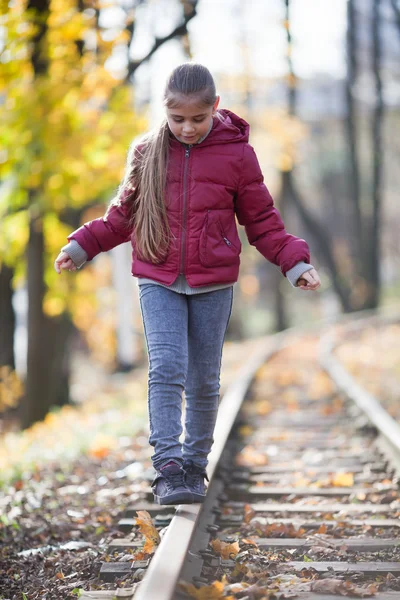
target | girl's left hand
x=309, y=280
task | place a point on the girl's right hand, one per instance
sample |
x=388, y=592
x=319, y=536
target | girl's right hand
x=63, y=261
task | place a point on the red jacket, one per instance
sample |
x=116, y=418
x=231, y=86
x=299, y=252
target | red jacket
x=207, y=185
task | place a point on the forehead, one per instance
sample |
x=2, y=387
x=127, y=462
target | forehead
x=187, y=107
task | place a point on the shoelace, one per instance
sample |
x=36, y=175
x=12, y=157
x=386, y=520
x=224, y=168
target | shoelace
x=174, y=479
x=196, y=473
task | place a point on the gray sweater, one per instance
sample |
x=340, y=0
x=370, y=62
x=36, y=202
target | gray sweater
x=79, y=256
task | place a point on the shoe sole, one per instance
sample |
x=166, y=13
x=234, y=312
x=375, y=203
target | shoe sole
x=177, y=498
x=198, y=498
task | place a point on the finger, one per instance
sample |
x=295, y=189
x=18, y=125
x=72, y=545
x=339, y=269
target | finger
x=312, y=278
x=307, y=285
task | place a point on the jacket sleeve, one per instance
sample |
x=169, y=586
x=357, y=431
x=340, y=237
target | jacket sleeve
x=263, y=224
x=104, y=233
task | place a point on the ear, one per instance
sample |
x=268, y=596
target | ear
x=216, y=104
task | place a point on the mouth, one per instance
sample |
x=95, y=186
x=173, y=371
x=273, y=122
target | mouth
x=188, y=138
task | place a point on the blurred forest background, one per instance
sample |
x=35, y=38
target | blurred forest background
x=319, y=84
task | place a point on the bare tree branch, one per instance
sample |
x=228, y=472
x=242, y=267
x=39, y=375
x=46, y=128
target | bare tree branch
x=180, y=30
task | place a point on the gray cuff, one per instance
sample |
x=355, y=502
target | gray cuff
x=76, y=253
x=295, y=272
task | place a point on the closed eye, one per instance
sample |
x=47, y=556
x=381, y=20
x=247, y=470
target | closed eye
x=195, y=120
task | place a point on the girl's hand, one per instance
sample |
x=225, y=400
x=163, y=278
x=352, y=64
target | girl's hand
x=63, y=261
x=309, y=280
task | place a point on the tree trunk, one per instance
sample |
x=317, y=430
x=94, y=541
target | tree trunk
x=34, y=405
x=351, y=132
x=372, y=265
x=48, y=370
x=7, y=318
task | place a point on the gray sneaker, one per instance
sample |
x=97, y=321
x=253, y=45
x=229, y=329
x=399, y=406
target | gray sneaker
x=169, y=485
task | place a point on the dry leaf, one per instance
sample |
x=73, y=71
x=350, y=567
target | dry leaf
x=245, y=430
x=224, y=549
x=276, y=530
x=249, y=457
x=249, y=541
x=263, y=407
x=343, y=480
x=249, y=513
x=147, y=528
x=215, y=591
x=344, y=588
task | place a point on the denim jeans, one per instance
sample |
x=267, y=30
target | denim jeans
x=184, y=339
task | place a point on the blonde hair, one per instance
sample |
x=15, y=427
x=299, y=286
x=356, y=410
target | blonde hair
x=146, y=166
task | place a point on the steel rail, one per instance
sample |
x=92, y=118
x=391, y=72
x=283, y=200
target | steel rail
x=346, y=383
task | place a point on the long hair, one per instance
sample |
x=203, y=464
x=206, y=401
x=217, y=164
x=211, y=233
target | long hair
x=146, y=166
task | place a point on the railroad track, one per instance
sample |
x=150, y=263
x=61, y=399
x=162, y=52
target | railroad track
x=304, y=497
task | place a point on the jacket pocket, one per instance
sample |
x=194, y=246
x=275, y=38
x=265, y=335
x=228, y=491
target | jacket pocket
x=216, y=246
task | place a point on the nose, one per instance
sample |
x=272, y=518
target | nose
x=188, y=129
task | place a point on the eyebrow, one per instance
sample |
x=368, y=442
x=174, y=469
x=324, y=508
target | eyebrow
x=194, y=116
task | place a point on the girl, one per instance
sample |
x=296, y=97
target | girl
x=183, y=186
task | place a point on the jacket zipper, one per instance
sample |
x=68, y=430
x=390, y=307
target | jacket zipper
x=187, y=154
x=227, y=242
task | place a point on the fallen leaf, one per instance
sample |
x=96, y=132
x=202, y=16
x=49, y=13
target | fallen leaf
x=248, y=541
x=147, y=528
x=249, y=457
x=224, y=549
x=343, y=480
x=249, y=513
x=215, y=591
x=344, y=588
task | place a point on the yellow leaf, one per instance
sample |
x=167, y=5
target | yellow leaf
x=343, y=480
x=147, y=528
x=214, y=591
x=101, y=446
x=245, y=430
x=264, y=407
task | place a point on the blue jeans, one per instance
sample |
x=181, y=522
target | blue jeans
x=184, y=339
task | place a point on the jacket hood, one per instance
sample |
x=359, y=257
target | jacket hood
x=228, y=127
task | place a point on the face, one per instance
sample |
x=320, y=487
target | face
x=190, y=121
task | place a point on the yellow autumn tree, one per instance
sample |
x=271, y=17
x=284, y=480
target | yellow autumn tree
x=66, y=122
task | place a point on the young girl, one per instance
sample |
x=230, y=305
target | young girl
x=183, y=186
